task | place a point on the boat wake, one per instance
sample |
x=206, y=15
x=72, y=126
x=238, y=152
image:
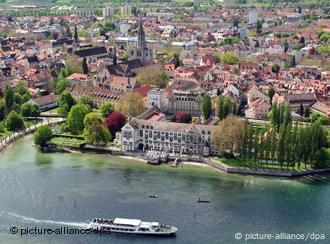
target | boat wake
x=33, y=220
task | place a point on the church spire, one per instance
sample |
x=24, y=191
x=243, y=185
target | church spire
x=141, y=34
x=75, y=44
x=76, y=38
x=114, y=58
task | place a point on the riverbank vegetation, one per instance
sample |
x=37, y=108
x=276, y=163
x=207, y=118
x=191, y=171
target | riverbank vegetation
x=282, y=144
x=87, y=124
x=16, y=110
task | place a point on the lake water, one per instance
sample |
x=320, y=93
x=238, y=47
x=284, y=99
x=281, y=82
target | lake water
x=68, y=190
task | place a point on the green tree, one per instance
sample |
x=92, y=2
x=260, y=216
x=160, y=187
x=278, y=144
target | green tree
x=14, y=121
x=302, y=40
x=288, y=145
x=229, y=58
x=85, y=66
x=273, y=115
x=3, y=109
x=294, y=146
x=17, y=98
x=42, y=135
x=21, y=88
x=61, y=85
x=25, y=98
x=106, y=109
x=256, y=145
x=9, y=96
x=271, y=93
x=88, y=101
x=30, y=110
x=220, y=107
x=276, y=68
x=301, y=110
x=307, y=112
x=250, y=142
x=322, y=158
x=281, y=145
x=90, y=117
x=286, y=46
x=259, y=27
x=206, y=106
x=66, y=101
x=287, y=118
x=245, y=141
x=76, y=117
x=95, y=132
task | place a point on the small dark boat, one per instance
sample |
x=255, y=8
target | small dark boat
x=153, y=196
x=206, y=200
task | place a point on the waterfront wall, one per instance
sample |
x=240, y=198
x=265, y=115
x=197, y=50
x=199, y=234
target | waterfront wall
x=263, y=172
x=6, y=141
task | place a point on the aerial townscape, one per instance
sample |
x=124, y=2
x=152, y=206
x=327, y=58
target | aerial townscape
x=107, y=93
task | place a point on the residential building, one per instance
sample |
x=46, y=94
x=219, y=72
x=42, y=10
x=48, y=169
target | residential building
x=45, y=102
x=157, y=97
x=189, y=102
x=98, y=94
x=294, y=100
x=120, y=84
x=126, y=10
x=259, y=108
x=78, y=79
x=254, y=93
x=42, y=80
x=253, y=16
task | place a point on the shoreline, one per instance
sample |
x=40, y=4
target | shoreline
x=217, y=166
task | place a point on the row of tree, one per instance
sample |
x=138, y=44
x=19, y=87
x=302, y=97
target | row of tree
x=293, y=144
x=225, y=107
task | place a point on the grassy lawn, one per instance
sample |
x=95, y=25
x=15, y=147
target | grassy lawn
x=54, y=110
x=67, y=142
x=237, y=162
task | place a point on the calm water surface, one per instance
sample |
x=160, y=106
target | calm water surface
x=58, y=190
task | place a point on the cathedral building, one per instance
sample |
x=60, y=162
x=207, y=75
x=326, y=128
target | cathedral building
x=141, y=51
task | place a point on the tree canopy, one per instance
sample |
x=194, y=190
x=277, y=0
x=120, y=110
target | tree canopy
x=153, y=75
x=76, y=117
x=14, y=121
x=95, y=132
x=66, y=101
x=131, y=104
x=114, y=122
x=42, y=135
x=229, y=58
x=206, y=106
x=106, y=109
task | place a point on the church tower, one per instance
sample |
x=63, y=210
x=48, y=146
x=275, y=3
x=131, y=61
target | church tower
x=114, y=58
x=76, y=42
x=141, y=51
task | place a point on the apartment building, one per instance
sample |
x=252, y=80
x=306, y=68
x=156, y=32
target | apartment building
x=189, y=102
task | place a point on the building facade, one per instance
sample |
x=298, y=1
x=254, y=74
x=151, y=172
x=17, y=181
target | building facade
x=189, y=102
x=157, y=97
x=171, y=137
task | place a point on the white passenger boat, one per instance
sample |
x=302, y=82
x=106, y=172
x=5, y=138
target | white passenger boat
x=131, y=226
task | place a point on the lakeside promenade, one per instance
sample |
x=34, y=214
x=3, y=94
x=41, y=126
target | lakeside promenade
x=7, y=140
